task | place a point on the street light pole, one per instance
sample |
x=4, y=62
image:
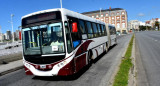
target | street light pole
x=12, y=27
x=100, y=13
x=61, y=3
x=1, y=34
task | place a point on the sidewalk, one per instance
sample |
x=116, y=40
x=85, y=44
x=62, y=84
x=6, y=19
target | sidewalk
x=10, y=67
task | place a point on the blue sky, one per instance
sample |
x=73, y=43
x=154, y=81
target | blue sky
x=137, y=9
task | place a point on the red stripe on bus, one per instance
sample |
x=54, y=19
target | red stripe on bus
x=80, y=62
x=28, y=72
x=68, y=69
x=83, y=48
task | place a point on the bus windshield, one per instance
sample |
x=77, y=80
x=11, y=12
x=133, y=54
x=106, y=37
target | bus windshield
x=43, y=39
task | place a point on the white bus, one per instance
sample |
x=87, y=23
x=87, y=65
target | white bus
x=60, y=42
x=112, y=34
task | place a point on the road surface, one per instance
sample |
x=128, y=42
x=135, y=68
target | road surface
x=148, y=58
x=98, y=74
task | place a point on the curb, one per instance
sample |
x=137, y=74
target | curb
x=111, y=81
x=133, y=71
x=11, y=70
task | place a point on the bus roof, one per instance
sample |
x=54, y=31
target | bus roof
x=66, y=12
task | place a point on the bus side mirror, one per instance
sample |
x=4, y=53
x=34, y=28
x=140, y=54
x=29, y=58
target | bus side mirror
x=74, y=27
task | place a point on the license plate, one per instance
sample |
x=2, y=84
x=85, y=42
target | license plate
x=42, y=66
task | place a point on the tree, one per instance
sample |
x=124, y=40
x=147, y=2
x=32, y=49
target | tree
x=142, y=28
x=157, y=24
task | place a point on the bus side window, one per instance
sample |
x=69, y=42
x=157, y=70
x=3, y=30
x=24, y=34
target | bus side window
x=89, y=29
x=82, y=29
x=102, y=28
x=99, y=30
x=95, y=29
x=76, y=36
x=105, y=31
x=110, y=30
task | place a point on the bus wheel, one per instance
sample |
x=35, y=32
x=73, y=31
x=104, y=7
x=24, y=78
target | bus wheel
x=89, y=59
x=106, y=49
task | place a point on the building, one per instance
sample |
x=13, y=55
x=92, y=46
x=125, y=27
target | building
x=152, y=22
x=17, y=34
x=115, y=16
x=1, y=36
x=8, y=35
x=133, y=25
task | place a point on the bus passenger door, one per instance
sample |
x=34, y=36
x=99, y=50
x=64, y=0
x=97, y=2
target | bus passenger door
x=80, y=58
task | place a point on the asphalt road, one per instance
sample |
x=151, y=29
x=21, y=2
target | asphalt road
x=148, y=58
x=98, y=74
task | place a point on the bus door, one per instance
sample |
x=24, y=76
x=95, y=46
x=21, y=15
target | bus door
x=76, y=35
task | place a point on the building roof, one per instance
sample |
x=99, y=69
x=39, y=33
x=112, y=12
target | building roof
x=114, y=9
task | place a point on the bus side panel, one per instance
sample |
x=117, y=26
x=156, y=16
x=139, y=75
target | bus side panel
x=80, y=56
x=113, y=38
x=69, y=69
x=80, y=62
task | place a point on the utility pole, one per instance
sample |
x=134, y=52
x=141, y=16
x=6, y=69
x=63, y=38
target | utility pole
x=100, y=12
x=1, y=34
x=61, y=3
x=12, y=27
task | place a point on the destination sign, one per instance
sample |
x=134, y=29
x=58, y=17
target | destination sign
x=41, y=17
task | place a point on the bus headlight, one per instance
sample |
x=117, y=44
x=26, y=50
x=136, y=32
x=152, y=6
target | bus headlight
x=27, y=65
x=50, y=66
x=36, y=66
x=62, y=63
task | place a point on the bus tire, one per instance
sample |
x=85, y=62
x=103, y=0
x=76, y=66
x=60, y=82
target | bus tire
x=89, y=58
x=106, y=48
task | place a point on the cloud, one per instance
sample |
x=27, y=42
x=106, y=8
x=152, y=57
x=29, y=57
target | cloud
x=141, y=14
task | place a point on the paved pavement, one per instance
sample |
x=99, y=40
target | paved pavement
x=148, y=58
x=97, y=75
x=13, y=50
x=12, y=66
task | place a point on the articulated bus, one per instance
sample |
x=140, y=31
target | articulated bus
x=60, y=42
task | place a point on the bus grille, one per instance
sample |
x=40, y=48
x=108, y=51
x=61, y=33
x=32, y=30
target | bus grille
x=43, y=60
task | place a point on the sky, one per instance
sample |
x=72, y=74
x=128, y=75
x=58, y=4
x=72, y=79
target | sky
x=141, y=10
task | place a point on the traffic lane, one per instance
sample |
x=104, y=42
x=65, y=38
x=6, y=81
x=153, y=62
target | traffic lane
x=153, y=35
x=99, y=73
x=149, y=51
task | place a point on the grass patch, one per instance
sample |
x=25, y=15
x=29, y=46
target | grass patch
x=121, y=78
